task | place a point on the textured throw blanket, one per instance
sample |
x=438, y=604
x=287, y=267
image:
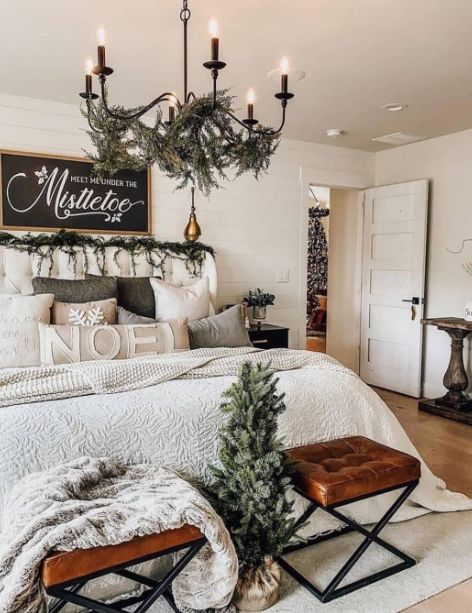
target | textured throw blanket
x=112, y=376
x=94, y=502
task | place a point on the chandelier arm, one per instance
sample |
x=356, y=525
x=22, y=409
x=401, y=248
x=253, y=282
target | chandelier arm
x=227, y=136
x=214, y=74
x=165, y=97
x=89, y=113
x=268, y=132
x=184, y=17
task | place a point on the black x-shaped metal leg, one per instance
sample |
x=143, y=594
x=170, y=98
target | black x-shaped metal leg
x=332, y=590
x=69, y=592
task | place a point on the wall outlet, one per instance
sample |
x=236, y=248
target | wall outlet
x=282, y=276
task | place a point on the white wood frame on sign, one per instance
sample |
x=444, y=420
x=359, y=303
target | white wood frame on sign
x=339, y=180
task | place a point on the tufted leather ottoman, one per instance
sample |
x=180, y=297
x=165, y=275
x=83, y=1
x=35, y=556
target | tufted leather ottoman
x=347, y=468
x=65, y=573
x=339, y=472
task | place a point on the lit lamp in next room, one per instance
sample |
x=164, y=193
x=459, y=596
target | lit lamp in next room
x=192, y=230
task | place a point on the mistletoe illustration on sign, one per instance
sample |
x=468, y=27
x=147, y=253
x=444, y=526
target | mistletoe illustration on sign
x=42, y=175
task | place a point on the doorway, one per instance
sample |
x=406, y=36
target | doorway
x=375, y=281
x=334, y=273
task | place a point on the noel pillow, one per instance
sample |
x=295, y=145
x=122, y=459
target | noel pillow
x=20, y=317
x=173, y=302
x=68, y=344
x=98, y=313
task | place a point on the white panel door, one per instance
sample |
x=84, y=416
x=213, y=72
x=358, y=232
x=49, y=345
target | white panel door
x=393, y=277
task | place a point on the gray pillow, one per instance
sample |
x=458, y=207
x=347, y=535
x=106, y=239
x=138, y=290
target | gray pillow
x=80, y=290
x=224, y=330
x=135, y=294
x=126, y=317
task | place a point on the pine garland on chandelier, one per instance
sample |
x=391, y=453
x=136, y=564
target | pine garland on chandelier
x=199, y=147
x=156, y=252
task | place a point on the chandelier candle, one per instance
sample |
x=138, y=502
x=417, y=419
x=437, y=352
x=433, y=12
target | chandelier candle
x=251, y=97
x=101, y=48
x=88, y=76
x=215, y=41
x=284, y=75
x=88, y=93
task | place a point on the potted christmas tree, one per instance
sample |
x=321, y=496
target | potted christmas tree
x=251, y=483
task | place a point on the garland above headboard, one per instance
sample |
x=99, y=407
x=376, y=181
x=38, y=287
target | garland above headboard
x=156, y=252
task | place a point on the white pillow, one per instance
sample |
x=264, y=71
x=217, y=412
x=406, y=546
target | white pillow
x=19, y=328
x=172, y=302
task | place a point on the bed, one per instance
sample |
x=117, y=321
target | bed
x=175, y=422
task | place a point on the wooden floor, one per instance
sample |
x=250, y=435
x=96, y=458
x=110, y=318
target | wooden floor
x=316, y=343
x=447, y=448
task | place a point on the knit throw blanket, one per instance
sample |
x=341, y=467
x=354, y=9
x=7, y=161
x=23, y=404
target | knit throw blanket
x=96, y=502
x=18, y=386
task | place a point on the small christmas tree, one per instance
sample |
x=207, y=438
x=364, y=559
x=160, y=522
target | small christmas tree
x=250, y=486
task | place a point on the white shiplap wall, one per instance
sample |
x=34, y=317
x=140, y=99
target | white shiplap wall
x=254, y=226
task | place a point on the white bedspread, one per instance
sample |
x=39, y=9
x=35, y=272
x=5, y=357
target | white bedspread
x=175, y=424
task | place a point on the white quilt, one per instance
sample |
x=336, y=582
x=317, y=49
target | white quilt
x=175, y=424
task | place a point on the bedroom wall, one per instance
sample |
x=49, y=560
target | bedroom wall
x=446, y=161
x=254, y=226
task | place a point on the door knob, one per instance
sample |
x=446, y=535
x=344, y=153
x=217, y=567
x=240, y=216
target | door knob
x=415, y=300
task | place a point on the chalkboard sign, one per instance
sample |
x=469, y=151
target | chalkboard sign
x=44, y=192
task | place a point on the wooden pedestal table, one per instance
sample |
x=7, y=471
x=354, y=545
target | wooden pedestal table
x=456, y=404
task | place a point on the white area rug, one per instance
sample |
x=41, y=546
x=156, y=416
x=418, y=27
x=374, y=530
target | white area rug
x=441, y=542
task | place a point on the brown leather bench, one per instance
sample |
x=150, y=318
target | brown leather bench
x=339, y=472
x=64, y=574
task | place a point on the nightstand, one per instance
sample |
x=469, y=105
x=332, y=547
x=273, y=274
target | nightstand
x=268, y=336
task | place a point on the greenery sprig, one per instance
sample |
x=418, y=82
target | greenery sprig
x=156, y=252
x=198, y=147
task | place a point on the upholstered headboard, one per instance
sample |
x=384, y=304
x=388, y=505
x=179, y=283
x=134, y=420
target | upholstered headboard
x=18, y=268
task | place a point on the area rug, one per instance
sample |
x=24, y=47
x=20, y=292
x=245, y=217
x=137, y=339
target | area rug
x=441, y=542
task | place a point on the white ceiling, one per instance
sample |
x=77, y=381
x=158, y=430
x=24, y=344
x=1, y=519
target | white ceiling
x=358, y=55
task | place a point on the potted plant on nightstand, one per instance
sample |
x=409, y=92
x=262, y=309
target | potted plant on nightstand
x=259, y=300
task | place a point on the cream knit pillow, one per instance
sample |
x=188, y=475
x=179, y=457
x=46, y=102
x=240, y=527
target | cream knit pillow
x=19, y=331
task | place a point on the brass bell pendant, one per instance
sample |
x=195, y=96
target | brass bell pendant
x=192, y=230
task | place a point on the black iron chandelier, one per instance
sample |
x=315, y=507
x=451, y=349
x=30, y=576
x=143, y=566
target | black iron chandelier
x=200, y=139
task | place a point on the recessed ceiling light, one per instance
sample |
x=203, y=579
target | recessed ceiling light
x=394, y=107
x=334, y=132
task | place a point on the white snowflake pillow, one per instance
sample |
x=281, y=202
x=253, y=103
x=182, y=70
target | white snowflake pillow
x=99, y=313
